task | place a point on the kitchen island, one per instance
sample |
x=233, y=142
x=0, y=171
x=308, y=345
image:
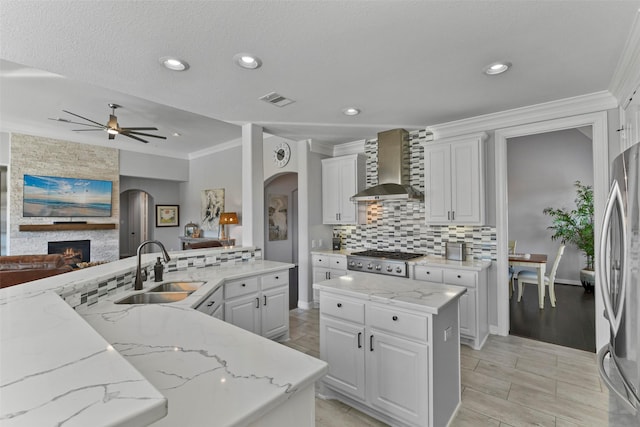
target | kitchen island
x=160, y=364
x=393, y=347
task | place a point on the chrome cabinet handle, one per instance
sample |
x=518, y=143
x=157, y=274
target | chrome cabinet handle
x=605, y=377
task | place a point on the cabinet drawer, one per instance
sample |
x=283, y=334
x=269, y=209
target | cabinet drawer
x=398, y=322
x=273, y=280
x=342, y=308
x=235, y=288
x=461, y=278
x=320, y=260
x=429, y=274
x=338, y=262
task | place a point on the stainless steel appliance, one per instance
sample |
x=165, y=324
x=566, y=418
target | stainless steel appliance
x=381, y=262
x=618, y=269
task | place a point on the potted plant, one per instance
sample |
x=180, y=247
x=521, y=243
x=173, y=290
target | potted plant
x=576, y=227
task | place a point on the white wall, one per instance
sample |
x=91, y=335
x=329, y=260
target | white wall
x=542, y=170
x=217, y=170
x=162, y=193
x=151, y=166
x=5, y=148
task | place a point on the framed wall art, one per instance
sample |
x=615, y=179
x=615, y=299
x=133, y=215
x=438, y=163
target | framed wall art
x=278, y=209
x=167, y=216
x=212, y=205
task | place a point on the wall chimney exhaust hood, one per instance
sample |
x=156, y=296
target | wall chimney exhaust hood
x=393, y=170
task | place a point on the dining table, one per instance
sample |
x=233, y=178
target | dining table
x=535, y=261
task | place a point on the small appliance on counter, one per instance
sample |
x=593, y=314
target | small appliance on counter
x=336, y=242
x=455, y=251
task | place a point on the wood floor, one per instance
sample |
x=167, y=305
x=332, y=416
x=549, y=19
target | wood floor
x=512, y=381
x=572, y=323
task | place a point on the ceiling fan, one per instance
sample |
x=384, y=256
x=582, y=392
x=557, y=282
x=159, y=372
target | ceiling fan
x=112, y=127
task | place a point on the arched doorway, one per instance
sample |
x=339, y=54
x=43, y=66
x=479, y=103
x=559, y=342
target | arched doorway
x=135, y=211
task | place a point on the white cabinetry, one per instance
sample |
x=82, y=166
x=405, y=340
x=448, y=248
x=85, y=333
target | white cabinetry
x=387, y=361
x=454, y=180
x=325, y=267
x=342, y=177
x=213, y=304
x=474, y=319
x=259, y=304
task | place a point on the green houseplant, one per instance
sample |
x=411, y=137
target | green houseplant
x=576, y=227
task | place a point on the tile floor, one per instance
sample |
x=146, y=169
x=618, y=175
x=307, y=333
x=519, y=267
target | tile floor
x=512, y=381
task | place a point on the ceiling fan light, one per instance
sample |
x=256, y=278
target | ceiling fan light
x=174, y=64
x=113, y=131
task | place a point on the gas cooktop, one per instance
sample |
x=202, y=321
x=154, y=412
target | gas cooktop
x=381, y=262
x=402, y=256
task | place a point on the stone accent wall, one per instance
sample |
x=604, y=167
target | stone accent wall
x=400, y=225
x=50, y=157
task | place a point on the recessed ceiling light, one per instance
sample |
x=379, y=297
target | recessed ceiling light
x=176, y=134
x=247, y=60
x=497, y=68
x=174, y=64
x=350, y=111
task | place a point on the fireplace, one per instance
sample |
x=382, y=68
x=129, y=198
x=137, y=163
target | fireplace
x=74, y=251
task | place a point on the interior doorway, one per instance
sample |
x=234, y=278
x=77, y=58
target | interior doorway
x=281, y=232
x=542, y=170
x=135, y=226
x=600, y=150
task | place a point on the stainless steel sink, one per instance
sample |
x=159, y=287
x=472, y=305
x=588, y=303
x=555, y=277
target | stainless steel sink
x=177, y=287
x=154, y=298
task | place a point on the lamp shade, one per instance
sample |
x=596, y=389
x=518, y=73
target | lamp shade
x=228, y=218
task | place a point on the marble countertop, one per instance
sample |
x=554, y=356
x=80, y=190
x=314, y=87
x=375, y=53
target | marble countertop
x=428, y=297
x=123, y=364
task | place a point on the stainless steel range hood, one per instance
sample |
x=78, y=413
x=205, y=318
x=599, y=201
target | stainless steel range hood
x=393, y=170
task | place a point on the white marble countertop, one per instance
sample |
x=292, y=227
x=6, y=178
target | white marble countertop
x=428, y=297
x=122, y=364
x=470, y=264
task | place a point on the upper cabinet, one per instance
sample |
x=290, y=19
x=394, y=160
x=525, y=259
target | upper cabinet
x=454, y=180
x=342, y=177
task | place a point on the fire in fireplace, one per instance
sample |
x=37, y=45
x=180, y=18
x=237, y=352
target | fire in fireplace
x=74, y=251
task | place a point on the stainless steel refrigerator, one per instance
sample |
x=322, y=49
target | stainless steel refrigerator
x=618, y=268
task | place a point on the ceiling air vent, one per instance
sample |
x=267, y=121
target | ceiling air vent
x=276, y=99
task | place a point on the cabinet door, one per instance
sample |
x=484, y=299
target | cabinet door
x=348, y=187
x=218, y=313
x=342, y=347
x=397, y=370
x=244, y=312
x=468, y=313
x=331, y=192
x=320, y=274
x=466, y=183
x=275, y=312
x=437, y=174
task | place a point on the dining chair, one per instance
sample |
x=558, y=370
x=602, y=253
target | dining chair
x=512, y=250
x=527, y=276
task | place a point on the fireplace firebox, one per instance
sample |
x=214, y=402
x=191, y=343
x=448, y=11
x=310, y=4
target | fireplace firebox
x=74, y=251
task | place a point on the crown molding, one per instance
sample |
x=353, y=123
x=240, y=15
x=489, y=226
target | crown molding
x=582, y=104
x=321, y=148
x=626, y=76
x=355, y=147
x=216, y=149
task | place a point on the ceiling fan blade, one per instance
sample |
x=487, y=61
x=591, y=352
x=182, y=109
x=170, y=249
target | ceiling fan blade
x=87, y=130
x=83, y=118
x=134, y=137
x=139, y=128
x=58, y=119
x=128, y=132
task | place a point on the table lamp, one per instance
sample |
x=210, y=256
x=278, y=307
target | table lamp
x=227, y=218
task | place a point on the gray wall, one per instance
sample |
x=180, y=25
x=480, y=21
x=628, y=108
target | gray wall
x=542, y=170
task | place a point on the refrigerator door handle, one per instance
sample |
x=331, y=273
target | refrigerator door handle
x=614, y=316
x=605, y=377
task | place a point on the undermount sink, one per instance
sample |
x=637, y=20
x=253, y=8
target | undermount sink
x=177, y=287
x=154, y=298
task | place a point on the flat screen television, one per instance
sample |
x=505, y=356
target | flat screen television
x=50, y=196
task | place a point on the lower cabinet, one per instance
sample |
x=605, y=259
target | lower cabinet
x=259, y=304
x=325, y=267
x=474, y=317
x=381, y=360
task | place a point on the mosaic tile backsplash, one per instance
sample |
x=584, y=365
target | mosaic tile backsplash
x=90, y=292
x=400, y=225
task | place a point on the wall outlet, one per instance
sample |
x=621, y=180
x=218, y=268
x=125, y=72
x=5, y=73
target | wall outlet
x=181, y=264
x=198, y=262
x=448, y=333
x=211, y=260
x=313, y=244
x=320, y=243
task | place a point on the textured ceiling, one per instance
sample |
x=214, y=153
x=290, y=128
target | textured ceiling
x=403, y=63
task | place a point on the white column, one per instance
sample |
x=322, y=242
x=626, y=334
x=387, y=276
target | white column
x=252, y=187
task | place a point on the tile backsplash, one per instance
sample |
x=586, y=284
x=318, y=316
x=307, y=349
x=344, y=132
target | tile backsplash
x=400, y=225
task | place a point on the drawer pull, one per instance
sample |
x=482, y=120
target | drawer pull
x=257, y=302
x=265, y=301
x=243, y=285
x=428, y=272
x=395, y=318
x=277, y=277
x=339, y=304
x=359, y=336
x=211, y=303
x=371, y=343
x=459, y=276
